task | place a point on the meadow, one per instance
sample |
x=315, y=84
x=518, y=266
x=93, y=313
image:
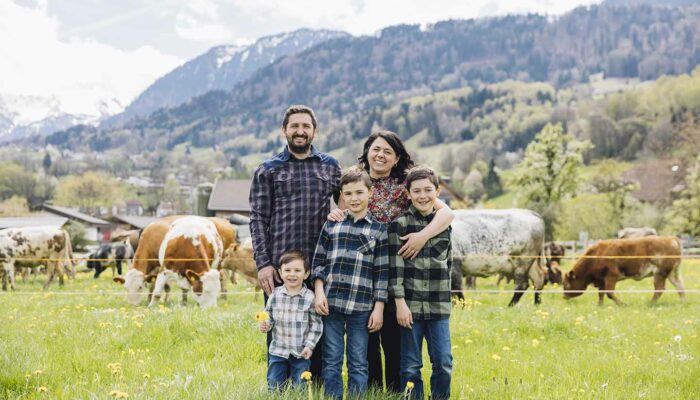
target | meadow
x=83, y=341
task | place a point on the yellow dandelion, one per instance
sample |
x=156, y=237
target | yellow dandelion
x=688, y=322
x=535, y=342
x=146, y=376
x=306, y=375
x=262, y=316
x=28, y=376
x=38, y=372
x=496, y=357
x=468, y=341
x=409, y=385
x=42, y=389
x=506, y=348
x=118, y=394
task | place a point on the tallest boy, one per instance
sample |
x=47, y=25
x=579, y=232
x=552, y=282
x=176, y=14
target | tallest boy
x=290, y=199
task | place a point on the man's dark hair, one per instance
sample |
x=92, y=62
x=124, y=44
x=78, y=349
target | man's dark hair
x=404, y=163
x=291, y=255
x=421, y=172
x=299, y=109
x=355, y=174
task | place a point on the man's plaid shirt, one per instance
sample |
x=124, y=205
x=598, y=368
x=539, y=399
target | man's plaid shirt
x=295, y=323
x=352, y=260
x=423, y=282
x=289, y=202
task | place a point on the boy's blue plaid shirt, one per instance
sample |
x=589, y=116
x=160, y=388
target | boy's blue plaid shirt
x=423, y=282
x=352, y=260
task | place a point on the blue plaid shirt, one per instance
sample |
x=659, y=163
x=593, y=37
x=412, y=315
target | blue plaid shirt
x=352, y=259
x=289, y=202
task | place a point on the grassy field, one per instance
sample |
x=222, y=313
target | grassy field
x=58, y=344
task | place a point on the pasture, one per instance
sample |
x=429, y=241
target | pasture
x=62, y=345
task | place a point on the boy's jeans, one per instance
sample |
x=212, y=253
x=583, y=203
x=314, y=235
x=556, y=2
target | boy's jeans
x=279, y=369
x=335, y=326
x=437, y=334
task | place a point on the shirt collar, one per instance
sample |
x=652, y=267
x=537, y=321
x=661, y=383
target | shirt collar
x=301, y=292
x=286, y=154
x=368, y=217
x=418, y=214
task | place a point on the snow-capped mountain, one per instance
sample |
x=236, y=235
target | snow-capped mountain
x=22, y=116
x=220, y=68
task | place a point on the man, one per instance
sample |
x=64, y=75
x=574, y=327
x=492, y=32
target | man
x=290, y=199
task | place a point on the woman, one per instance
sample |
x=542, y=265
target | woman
x=386, y=160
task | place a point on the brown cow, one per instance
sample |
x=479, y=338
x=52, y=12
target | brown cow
x=146, y=263
x=238, y=258
x=554, y=253
x=609, y=261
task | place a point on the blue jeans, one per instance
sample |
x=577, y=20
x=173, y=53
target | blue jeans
x=335, y=326
x=279, y=369
x=437, y=334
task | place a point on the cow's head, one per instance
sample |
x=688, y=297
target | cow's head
x=206, y=286
x=135, y=283
x=554, y=273
x=574, y=283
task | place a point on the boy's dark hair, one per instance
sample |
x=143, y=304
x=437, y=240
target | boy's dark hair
x=355, y=174
x=421, y=172
x=405, y=162
x=291, y=255
x=298, y=109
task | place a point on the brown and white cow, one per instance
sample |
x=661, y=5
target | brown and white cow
x=146, y=263
x=608, y=261
x=238, y=259
x=32, y=247
x=190, y=254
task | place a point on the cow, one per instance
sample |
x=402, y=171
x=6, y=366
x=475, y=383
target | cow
x=554, y=253
x=122, y=252
x=238, y=258
x=33, y=247
x=97, y=261
x=145, y=263
x=489, y=242
x=130, y=237
x=608, y=261
x=631, y=233
x=190, y=254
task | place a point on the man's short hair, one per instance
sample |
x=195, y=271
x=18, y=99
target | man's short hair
x=421, y=172
x=298, y=109
x=355, y=174
x=292, y=255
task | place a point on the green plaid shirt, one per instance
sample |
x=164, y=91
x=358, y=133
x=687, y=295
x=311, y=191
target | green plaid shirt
x=425, y=281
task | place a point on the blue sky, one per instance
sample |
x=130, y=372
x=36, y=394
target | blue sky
x=83, y=51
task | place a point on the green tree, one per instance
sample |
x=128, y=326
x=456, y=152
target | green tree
x=492, y=182
x=15, y=206
x=549, y=173
x=607, y=181
x=47, y=161
x=88, y=191
x=16, y=181
x=684, y=215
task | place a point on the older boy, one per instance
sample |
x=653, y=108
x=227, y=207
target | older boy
x=422, y=289
x=350, y=275
x=295, y=325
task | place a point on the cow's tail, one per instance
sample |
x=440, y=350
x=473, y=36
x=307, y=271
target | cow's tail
x=69, y=254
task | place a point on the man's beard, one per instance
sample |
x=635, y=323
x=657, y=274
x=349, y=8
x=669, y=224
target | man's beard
x=299, y=149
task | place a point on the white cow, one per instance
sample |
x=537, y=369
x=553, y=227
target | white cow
x=32, y=247
x=492, y=242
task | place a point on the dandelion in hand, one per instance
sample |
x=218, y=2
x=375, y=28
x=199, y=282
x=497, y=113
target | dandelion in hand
x=262, y=316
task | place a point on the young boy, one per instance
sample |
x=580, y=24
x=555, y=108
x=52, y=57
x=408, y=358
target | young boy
x=350, y=276
x=422, y=289
x=295, y=325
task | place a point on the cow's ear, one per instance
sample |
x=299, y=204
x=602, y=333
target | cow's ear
x=119, y=280
x=150, y=278
x=191, y=275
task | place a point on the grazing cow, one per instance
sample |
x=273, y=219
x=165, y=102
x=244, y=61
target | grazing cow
x=238, y=258
x=190, y=254
x=608, y=261
x=99, y=259
x=489, y=242
x=130, y=237
x=631, y=233
x=122, y=252
x=554, y=253
x=33, y=247
x=145, y=263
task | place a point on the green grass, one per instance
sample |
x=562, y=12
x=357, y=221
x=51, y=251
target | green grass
x=69, y=345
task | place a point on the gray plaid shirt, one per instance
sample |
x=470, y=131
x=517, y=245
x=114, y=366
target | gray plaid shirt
x=295, y=323
x=352, y=260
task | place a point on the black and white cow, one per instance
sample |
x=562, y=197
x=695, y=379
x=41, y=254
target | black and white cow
x=33, y=247
x=491, y=242
x=633, y=233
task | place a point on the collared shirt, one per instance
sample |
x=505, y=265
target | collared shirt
x=289, y=202
x=295, y=323
x=423, y=282
x=352, y=260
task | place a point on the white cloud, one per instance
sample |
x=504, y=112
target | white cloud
x=79, y=72
x=199, y=20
